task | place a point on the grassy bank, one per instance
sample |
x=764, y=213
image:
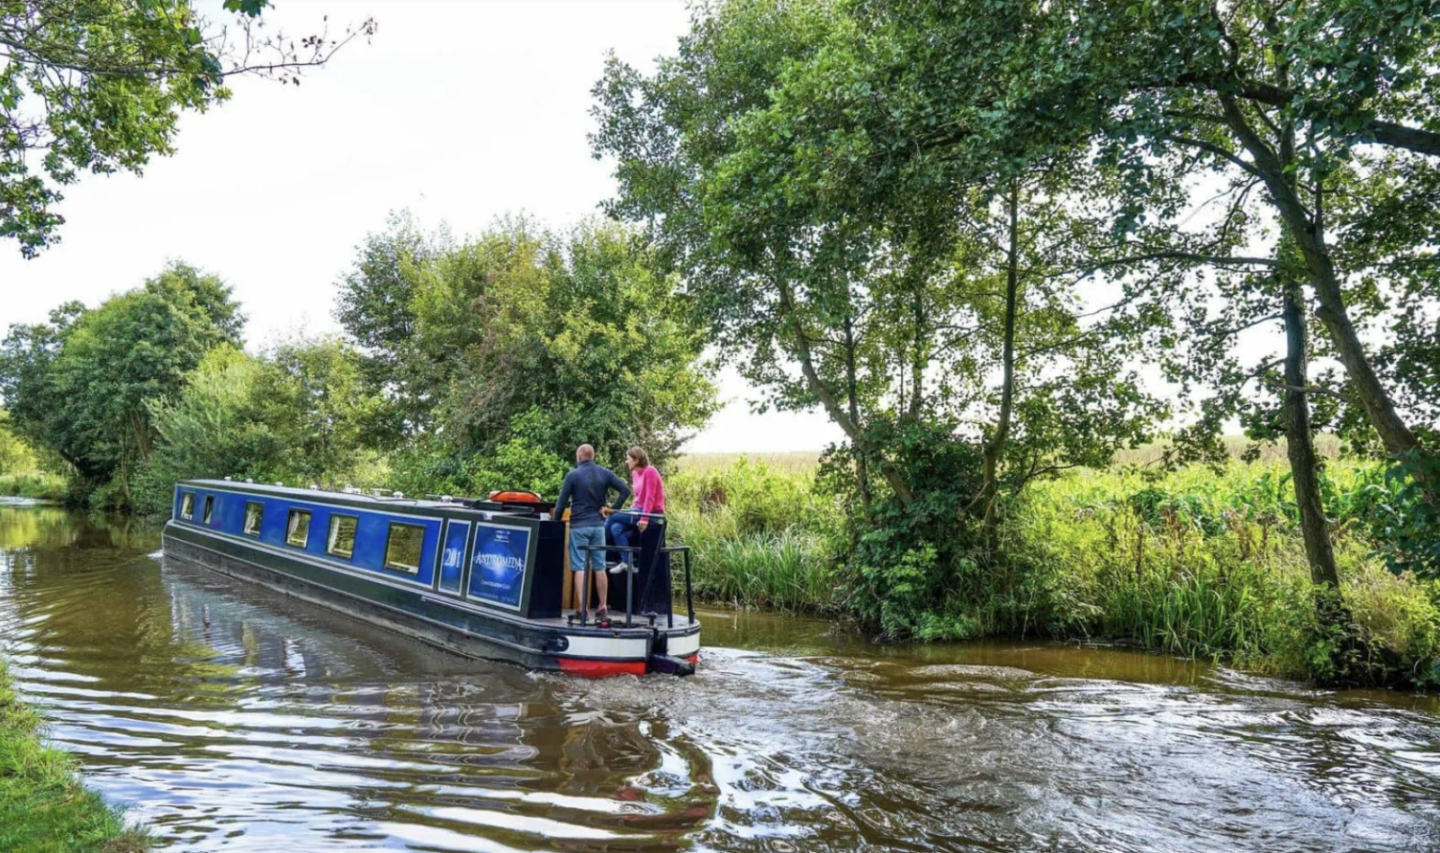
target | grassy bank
x=36, y=485
x=43, y=806
x=1193, y=564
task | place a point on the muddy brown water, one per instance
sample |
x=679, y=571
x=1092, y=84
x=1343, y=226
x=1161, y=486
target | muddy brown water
x=229, y=718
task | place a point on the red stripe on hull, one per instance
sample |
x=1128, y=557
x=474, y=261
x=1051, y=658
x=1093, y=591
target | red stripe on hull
x=601, y=668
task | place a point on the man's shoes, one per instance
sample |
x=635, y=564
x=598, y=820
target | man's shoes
x=621, y=568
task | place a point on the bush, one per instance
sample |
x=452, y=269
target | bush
x=35, y=485
x=909, y=570
x=435, y=466
x=298, y=415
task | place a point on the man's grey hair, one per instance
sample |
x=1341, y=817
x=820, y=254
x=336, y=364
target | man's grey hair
x=584, y=452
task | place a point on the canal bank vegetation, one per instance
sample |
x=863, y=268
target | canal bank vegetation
x=1192, y=561
x=43, y=806
x=21, y=471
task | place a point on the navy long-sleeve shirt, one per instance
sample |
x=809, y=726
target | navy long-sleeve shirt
x=584, y=490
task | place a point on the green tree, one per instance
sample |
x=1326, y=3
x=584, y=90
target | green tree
x=523, y=343
x=99, y=86
x=15, y=455
x=930, y=310
x=376, y=307
x=299, y=414
x=82, y=385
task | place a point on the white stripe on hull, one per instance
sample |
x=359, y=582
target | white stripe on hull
x=611, y=648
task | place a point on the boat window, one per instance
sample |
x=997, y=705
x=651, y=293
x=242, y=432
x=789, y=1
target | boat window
x=187, y=505
x=402, y=551
x=297, y=529
x=209, y=507
x=341, y=541
x=254, y=513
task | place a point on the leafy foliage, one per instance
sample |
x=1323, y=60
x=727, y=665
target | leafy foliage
x=15, y=455
x=99, y=86
x=928, y=308
x=1402, y=518
x=300, y=415
x=83, y=384
x=520, y=345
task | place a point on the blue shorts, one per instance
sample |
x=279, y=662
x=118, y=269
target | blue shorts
x=587, y=536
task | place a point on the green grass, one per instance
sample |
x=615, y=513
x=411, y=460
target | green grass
x=43, y=806
x=36, y=484
x=759, y=534
x=1192, y=563
x=787, y=570
x=1204, y=566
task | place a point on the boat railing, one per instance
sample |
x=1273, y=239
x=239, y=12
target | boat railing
x=684, y=552
x=628, y=550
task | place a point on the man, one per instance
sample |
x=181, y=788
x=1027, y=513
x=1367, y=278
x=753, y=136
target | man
x=584, y=492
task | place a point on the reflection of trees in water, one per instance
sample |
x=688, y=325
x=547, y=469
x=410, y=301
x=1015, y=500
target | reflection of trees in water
x=376, y=726
x=91, y=597
x=49, y=528
x=34, y=527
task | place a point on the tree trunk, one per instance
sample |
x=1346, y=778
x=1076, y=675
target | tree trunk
x=827, y=398
x=1333, y=314
x=1299, y=440
x=917, y=357
x=862, y=464
x=993, y=448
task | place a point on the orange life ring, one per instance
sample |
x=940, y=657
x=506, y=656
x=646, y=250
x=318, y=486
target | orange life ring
x=514, y=497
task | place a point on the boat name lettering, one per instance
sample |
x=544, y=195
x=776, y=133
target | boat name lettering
x=499, y=561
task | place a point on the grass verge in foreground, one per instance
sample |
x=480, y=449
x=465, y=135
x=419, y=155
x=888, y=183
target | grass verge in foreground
x=43, y=806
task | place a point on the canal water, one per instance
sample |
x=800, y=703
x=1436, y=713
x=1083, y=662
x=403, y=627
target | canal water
x=231, y=719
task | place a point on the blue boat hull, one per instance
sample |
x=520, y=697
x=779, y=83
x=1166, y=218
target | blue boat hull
x=473, y=616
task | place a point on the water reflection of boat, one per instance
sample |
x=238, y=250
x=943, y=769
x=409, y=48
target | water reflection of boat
x=479, y=578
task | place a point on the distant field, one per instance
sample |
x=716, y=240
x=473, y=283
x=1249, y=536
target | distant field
x=1325, y=445
x=804, y=460
x=790, y=461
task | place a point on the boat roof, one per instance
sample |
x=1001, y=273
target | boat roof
x=351, y=498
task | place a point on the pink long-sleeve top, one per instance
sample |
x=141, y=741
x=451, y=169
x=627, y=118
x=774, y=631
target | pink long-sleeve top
x=649, y=490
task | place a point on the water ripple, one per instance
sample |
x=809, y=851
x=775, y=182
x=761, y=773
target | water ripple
x=231, y=719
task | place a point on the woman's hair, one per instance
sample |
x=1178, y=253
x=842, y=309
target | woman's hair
x=639, y=455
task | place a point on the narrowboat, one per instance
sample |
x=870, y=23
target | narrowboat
x=477, y=577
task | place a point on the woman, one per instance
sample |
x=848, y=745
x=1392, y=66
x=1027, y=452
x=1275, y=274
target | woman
x=624, y=527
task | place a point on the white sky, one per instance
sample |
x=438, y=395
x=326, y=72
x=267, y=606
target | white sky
x=461, y=111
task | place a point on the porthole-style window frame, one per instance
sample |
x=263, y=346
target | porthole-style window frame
x=297, y=527
x=398, y=562
x=343, y=553
x=259, y=515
